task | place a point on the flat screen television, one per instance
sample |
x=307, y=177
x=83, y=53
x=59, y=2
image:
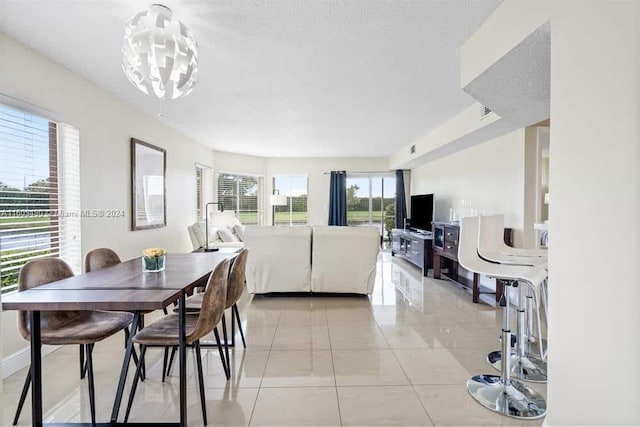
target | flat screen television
x=421, y=212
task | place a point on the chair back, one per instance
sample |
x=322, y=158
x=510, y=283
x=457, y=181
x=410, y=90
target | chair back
x=237, y=278
x=490, y=232
x=39, y=272
x=100, y=258
x=213, y=302
x=468, y=245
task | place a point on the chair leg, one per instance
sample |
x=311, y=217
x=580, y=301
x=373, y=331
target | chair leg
x=233, y=328
x=203, y=400
x=226, y=340
x=92, y=395
x=23, y=396
x=132, y=393
x=143, y=374
x=234, y=308
x=164, y=363
x=83, y=366
x=224, y=363
x=173, y=353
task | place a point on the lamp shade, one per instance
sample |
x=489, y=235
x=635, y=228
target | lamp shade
x=160, y=54
x=278, y=200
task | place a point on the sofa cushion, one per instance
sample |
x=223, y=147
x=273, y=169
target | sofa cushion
x=239, y=229
x=226, y=235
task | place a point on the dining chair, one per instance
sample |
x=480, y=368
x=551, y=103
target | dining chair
x=83, y=328
x=164, y=332
x=235, y=288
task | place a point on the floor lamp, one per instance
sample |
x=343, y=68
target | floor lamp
x=276, y=200
x=206, y=225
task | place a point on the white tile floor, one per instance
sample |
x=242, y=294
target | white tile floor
x=396, y=358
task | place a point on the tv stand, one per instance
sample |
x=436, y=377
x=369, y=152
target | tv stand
x=413, y=246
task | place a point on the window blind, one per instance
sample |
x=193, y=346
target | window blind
x=199, y=173
x=243, y=194
x=39, y=192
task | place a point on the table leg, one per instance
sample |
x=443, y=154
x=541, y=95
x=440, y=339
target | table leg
x=125, y=368
x=476, y=288
x=436, y=266
x=36, y=370
x=183, y=359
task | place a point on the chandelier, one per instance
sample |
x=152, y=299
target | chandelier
x=160, y=54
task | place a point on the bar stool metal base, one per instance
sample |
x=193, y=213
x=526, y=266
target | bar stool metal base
x=513, y=400
x=526, y=368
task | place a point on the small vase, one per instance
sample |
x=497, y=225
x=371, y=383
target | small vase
x=153, y=263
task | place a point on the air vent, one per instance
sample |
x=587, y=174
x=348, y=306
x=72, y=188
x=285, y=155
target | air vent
x=485, y=111
x=413, y=149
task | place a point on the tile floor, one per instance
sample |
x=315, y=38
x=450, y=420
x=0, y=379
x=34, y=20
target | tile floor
x=400, y=357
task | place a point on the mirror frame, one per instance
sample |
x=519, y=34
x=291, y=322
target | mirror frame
x=138, y=170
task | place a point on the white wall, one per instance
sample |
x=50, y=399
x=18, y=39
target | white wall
x=488, y=177
x=314, y=168
x=106, y=126
x=594, y=214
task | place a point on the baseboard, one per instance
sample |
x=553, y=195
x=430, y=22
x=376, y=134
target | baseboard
x=21, y=359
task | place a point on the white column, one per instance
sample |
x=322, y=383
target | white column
x=594, y=255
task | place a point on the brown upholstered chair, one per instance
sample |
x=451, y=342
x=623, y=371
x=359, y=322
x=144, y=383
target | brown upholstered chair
x=65, y=327
x=235, y=287
x=164, y=332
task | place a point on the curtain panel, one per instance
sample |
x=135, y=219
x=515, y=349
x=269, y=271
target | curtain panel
x=338, y=198
x=401, y=199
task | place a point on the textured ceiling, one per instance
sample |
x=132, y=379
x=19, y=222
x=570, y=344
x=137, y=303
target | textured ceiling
x=285, y=77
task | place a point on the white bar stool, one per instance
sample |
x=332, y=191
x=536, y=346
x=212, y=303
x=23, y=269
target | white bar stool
x=490, y=230
x=500, y=393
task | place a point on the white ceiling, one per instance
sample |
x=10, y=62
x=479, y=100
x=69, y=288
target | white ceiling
x=281, y=77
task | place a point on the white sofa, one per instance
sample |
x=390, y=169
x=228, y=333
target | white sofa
x=344, y=259
x=217, y=220
x=312, y=259
x=279, y=259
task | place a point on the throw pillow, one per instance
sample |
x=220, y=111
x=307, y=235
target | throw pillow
x=226, y=235
x=239, y=229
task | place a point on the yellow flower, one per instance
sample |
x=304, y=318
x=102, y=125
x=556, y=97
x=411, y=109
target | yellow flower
x=154, y=252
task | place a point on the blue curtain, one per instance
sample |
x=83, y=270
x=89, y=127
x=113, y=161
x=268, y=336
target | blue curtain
x=401, y=199
x=338, y=198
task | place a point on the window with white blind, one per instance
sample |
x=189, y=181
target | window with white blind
x=199, y=194
x=243, y=194
x=39, y=192
x=295, y=187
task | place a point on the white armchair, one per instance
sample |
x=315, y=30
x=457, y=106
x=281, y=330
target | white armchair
x=344, y=259
x=217, y=221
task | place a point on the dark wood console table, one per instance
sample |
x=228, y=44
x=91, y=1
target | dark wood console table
x=414, y=247
x=445, y=257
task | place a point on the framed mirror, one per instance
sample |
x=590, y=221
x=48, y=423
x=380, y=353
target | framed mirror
x=148, y=186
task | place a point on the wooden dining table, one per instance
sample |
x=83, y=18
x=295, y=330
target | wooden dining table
x=121, y=287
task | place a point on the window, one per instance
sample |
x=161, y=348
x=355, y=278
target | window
x=371, y=201
x=243, y=194
x=295, y=187
x=199, y=187
x=39, y=192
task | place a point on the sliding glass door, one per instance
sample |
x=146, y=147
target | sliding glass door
x=371, y=201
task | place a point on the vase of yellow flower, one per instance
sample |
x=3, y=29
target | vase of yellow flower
x=153, y=259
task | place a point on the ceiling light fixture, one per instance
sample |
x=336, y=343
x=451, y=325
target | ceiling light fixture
x=160, y=54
